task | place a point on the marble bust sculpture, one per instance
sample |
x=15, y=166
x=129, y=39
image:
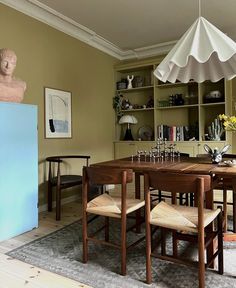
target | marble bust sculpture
x=11, y=89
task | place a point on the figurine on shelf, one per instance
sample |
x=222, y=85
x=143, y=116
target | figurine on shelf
x=216, y=130
x=130, y=79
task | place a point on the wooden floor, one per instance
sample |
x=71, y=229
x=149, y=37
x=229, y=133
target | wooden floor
x=16, y=274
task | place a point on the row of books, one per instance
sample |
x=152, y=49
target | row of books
x=173, y=133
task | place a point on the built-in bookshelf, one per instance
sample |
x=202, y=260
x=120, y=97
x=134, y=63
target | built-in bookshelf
x=179, y=112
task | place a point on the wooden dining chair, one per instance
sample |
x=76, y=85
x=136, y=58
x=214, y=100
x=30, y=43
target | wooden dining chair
x=61, y=181
x=186, y=223
x=225, y=185
x=162, y=195
x=109, y=207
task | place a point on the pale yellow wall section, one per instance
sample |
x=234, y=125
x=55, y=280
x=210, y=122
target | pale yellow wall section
x=47, y=57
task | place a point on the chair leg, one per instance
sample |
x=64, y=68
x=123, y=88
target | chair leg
x=201, y=260
x=225, y=209
x=175, y=244
x=163, y=241
x=191, y=199
x=49, y=197
x=123, y=246
x=58, y=204
x=159, y=196
x=85, y=237
x=148, y=254
x=220, y=244
x=107, y=229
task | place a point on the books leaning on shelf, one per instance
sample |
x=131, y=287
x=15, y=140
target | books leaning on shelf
x=173, y=133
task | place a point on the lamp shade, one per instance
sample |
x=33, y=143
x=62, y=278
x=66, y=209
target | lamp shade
x=128, y=119
x=202, y=53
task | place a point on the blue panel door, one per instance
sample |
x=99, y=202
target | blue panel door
x=18, y=169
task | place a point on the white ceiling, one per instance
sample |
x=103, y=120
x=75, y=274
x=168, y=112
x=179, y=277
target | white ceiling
x=128, y=26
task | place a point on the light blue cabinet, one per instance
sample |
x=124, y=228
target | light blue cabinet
x=18, y=169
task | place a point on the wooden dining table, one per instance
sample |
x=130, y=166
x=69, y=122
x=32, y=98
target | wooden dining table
x=196, y=165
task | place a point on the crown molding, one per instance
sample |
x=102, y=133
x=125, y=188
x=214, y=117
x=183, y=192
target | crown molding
x=43, y=13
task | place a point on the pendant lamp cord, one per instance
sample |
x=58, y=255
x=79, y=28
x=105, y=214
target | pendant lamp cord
x=199, y=8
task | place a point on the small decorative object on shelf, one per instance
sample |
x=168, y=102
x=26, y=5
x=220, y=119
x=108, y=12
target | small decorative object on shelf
x=130, y=79
x=150, y=103
x=214, y=97
x=215, y=130
x=229, y=122
x=138, y=81
x=122, y=84
x=126, y=104
x=176, y=100
x=216, y=154
x=145, y=133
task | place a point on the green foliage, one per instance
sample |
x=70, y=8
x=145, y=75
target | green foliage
x=117, y=104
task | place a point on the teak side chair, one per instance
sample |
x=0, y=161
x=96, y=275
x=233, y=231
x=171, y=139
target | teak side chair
x=192, y=224
x=108, y=206
x=61, y=181
x=224, y=184
x=159, y=195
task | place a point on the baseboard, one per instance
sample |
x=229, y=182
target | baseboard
x=66, y=200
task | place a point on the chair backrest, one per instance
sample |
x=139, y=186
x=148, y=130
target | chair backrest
x=177, y=182
x=59, y=160
x=204, y=155
x=103, y=176
x=184, y=154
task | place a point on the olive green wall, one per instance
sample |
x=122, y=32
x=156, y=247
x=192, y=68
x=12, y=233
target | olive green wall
x=47, y=57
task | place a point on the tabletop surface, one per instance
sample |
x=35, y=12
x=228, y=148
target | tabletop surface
x=194, y=165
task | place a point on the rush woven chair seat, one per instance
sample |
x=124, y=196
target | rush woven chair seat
x=108, y=206
x=61, y=181
x=194, y=224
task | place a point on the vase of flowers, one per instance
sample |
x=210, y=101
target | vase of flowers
x=229, y=122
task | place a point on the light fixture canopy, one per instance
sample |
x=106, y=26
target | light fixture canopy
x=202, y=53
x=128, y=119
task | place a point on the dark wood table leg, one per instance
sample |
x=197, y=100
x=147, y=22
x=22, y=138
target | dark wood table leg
x=137, y=196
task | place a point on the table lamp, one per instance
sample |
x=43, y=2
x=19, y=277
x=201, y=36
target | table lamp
x=128, y=119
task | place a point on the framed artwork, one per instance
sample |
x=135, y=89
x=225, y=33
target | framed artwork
x=57, y=113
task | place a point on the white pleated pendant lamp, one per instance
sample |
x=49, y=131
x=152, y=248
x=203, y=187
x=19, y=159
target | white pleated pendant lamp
x=203, y=53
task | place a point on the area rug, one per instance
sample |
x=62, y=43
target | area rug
x=61, y=252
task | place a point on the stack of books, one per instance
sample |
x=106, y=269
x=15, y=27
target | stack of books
x=173, y=133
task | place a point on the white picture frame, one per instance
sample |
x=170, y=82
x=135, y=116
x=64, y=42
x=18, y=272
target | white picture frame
x=57, y=113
